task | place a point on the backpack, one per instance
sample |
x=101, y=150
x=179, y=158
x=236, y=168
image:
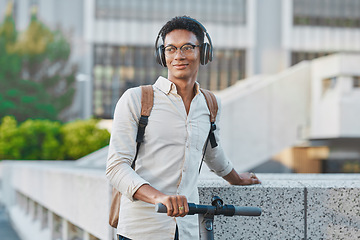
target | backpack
x=147, y=102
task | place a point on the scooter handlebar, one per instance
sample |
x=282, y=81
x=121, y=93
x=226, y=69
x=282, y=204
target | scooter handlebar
x=160, y=208
x=227, y=210
x=247, y=211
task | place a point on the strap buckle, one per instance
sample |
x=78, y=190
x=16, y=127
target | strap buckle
x=212, y=135
x=141, y=129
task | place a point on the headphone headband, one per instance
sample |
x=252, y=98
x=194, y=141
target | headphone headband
x=203, y=28
x=206, y=49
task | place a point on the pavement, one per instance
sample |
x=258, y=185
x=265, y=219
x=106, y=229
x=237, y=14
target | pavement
x=7, y=232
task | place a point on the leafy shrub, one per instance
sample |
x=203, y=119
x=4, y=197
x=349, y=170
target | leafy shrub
x=83, y=137
x=50, y=140
x=11, y=141
x=42, y=138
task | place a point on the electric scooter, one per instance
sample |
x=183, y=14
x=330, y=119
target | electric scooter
x=207, y=213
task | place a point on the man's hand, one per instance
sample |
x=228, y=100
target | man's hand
x=177, y=205
x=235, y=178
x=248, y=178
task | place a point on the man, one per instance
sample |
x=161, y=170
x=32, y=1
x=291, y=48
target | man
x=167, y=166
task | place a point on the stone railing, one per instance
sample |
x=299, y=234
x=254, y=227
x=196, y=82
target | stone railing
x=61, y=201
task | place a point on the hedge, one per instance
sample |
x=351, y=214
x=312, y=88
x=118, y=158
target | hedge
x=50, y=140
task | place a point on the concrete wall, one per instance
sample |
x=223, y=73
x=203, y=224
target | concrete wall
x=265, y=114
x=55, y=201
x=335, y=110
x=61, y=195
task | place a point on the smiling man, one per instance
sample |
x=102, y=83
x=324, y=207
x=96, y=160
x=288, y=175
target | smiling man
x=167, y=165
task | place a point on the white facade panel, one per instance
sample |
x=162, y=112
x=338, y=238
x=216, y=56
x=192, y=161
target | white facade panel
x=323, y=39
x=335, y=109
x=127, y=32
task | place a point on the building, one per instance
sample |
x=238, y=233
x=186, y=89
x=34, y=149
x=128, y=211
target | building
x=113, y=41
x=308, y=112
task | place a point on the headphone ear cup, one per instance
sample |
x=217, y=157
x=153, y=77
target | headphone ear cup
x=204, y=53
x=210, y=57
x=160, y=56
x=163, y=59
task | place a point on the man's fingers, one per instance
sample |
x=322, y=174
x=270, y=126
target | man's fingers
x=180, y=204
x=256, y=181
x=186, y=205
x=183, y=206
x=170, y=208
x=175, y=206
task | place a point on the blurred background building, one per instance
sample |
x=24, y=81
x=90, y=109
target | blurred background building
x=113, y=40
x=287, y=73
x=113, y=46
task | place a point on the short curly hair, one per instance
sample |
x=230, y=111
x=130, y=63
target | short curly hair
x=183, y=22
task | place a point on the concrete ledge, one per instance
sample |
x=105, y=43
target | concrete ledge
x=295, y=206
x=78, y=195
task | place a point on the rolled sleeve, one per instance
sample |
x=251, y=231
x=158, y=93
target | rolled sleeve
x=122, y=147
x=215, y=158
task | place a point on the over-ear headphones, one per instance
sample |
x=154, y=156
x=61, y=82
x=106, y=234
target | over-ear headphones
x=206, y=49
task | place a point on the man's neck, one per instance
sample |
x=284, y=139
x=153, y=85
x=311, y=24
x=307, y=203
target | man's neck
x=185, y=88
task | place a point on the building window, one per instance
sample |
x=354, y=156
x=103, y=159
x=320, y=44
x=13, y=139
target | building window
x=341, y=166
x=329, y=13
x=328, y=83
x=297, y=57
x=117, y=68
x=356, y=82
x=209, y=11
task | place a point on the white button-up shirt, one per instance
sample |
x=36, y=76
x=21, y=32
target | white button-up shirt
x=168, y=159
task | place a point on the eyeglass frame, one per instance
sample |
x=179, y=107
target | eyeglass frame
x=181, y=51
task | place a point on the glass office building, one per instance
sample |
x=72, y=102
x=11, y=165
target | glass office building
x=113, y=40
x=118, y=67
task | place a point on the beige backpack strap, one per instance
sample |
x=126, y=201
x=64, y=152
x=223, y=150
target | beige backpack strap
x=147, y=99
x=213, y=109
x=212, y=103
x=147, y=102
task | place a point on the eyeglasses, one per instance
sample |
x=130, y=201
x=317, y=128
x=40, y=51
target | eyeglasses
x=186, y=50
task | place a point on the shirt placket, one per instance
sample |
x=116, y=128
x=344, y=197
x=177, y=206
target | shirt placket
x=188, y=141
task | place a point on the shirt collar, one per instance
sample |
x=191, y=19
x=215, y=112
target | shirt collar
x=166, y=86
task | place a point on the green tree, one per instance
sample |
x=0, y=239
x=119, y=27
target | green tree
x=36, y=79
x=45, y=56
x=18, y=97
x=10, y=62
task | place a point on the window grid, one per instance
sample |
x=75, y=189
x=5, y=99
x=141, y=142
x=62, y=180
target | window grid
x=217, y=11
x=329, y=13
x=117, y=68
x=297, y=57
x=356, y=82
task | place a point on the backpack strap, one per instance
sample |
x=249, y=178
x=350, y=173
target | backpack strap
x=147, y=102
x=213, y=108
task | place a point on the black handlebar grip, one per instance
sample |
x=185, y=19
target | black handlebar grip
x=160, y=208
x=247, y=211
x=201, y=209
